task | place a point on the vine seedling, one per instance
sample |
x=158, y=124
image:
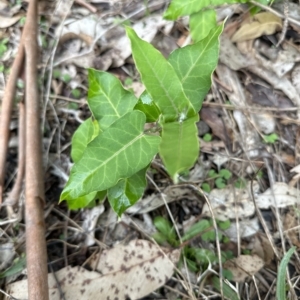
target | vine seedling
x=112, y=151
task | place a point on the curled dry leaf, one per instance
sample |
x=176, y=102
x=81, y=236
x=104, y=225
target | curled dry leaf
x=126, y=271
x=244, y=266
x=255, y=26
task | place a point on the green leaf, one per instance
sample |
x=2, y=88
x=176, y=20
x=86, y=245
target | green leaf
x=84, y=134
x=148, y=107
x=240, y=183
x=228, y=292
x=107, y=98
x=207, y=137
x=179, y=8
x=196, y=229
x=194, y=65
x=127, y=192
x=220, y=183
x=205, y=256
x=179, y=148
x=160, y=80
x=223, y=225
x=166, y=230
x=226, y=174
x=18, y=266
x=81, y=202
x=212, y=173
x=271, y=138
x=201, y=23
x=119, y=152
x=209, y=236
x=205, y=187
x=281, y=275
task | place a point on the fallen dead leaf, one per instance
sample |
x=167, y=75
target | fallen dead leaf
x=227, y=203
x=290, y=221
x=6, y=22
x=264, y=23
x=263, y=248
x=246, y=229
x=126, y=271
x=244, y=266
x=153, y=201
x=280, y=195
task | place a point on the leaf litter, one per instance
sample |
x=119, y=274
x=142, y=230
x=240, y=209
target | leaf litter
x=254, y=93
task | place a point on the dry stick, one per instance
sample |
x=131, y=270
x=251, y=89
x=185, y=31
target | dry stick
x=90, y=7
x=14, y=194
x=6, y=110
x=275, y=12
x=35, y=226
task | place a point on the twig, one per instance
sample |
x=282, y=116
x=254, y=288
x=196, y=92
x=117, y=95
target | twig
x=89, y=6
x=276, y=13
x=14, y=194
x=285, y=23
x=35, y=226
x=6, y=110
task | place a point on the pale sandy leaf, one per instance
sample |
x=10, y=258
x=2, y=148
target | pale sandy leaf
x=280, y=195
x=243, y=266
x=229, y=202
x=255, y=26
x=133, y=270
x=6, y=22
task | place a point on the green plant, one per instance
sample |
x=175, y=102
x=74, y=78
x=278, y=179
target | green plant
x=76, y=93
x=111, y=151
x=207, y=137
x=197, y=259
x=3, y=46
x=220, y=179
x=271, y=138
x=281, y=275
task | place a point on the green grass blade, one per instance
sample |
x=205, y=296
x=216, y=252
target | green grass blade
x=281, y=276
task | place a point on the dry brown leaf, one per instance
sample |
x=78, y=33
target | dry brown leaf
x=244, y=266
x=260, y=24
x=132, y=270
x=290, y=221
x=263, y=248
x=6, y=22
